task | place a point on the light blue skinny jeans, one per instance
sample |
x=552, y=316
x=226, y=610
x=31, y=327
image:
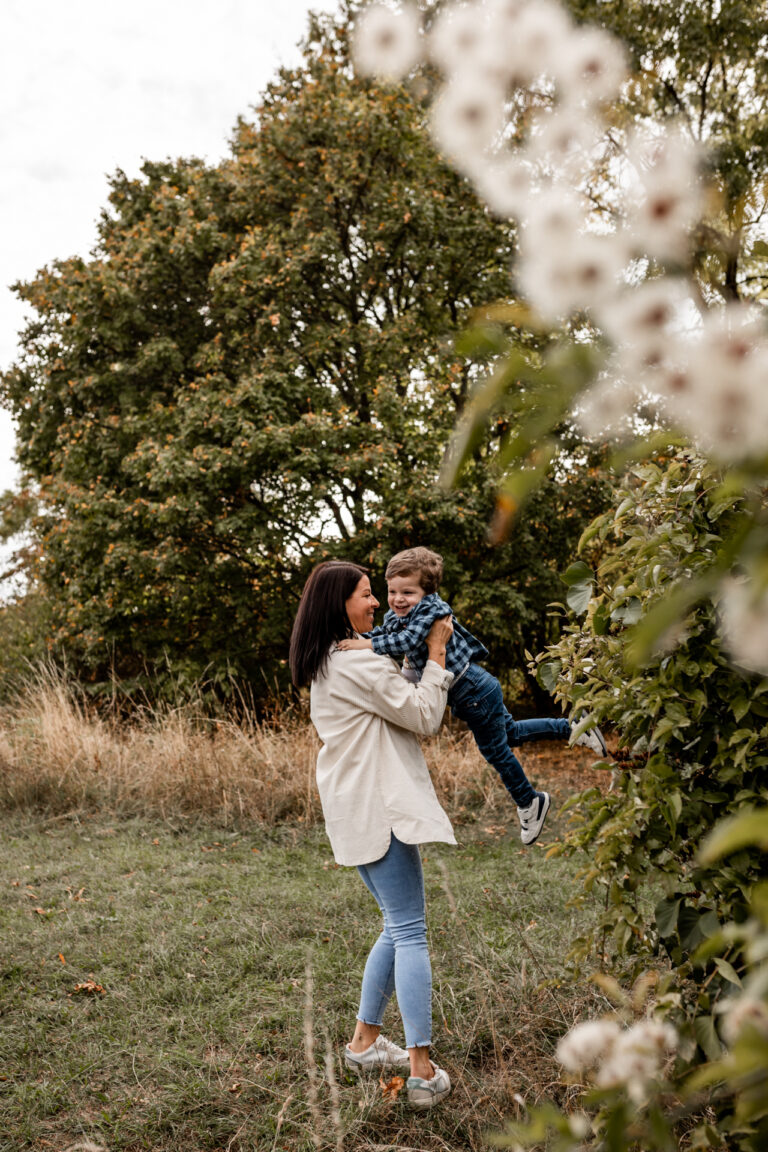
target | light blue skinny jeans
x=399, y=960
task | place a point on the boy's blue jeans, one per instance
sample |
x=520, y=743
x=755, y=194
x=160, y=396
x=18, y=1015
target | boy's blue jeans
x=399, y=960
x=477, y=700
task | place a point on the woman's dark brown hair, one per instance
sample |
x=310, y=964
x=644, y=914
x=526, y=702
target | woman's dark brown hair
x=322, y=617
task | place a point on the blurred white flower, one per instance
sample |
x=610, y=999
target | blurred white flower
x=504, y=183
x=666, y=199
x=594, y=67
x=580, y=1125
x=562, y=139
x=744, y=1012
x=554, y=216
x=504, y=13
x=652, y=1036
x=587, y=1044
x=637, y=1057
x=467, y=119
x=724, y=405
x=532, y=39
x=643, y=322
x=605, y=410
x=386, y=43
x=570, y=274
x=743, y=611
x=457, y=36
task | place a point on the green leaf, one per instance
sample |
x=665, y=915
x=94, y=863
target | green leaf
x=601, y=619
x=578, y=573
x=744, y=830
x=706, y=1037
x=759, y=250
x=629, y=612
x=666, y=913
x=578, y=597
x=470, y=432
x=548, y=673
x=727, y=971
x=480, y=341
x=656, y=629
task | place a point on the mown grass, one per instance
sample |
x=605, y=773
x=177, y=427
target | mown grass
x=219, y=952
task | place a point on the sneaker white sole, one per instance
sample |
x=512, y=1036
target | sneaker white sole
x=422, y=1098
x=429, y=1099
x=542, y=818
x=372, y=1066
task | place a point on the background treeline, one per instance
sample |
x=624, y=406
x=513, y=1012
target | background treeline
x=255, y=369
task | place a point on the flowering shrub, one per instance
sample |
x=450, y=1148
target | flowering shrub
x=694, y=747
x=620, y=222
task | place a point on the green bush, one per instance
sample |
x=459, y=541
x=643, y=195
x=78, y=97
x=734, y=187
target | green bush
x=689, y=787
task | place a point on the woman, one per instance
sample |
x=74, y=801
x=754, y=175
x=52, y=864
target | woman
x=378, y=802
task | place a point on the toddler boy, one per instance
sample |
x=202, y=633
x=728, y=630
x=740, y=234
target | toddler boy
x=413, y=577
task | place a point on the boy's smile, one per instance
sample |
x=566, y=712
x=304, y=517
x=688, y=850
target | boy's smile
x=403, y=592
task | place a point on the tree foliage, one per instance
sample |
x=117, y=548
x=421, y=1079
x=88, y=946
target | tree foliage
x=254, y=370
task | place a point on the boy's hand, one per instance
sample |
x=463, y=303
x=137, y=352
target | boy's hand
x=353, y=645
x=437, y=638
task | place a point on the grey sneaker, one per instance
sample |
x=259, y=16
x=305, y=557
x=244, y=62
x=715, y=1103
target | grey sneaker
x=427, y=1093
x=592, y=739
x=532, y=818
x=381, y=1054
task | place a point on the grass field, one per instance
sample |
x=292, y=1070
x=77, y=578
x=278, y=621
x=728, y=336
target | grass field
x=181, y=957
x=220, y=954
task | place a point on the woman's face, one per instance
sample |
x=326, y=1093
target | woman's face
x=361, y=606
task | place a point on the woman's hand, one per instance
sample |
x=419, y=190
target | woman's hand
x=353, y=645
x=437, y=638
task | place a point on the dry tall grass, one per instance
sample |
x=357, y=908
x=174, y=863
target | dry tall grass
x=57, y=755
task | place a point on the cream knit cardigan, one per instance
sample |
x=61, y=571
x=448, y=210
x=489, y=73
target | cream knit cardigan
x=371, y=774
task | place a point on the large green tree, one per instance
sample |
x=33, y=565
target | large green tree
x=253, y=370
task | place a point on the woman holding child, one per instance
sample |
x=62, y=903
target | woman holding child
x=378, y=801
x=377, y=797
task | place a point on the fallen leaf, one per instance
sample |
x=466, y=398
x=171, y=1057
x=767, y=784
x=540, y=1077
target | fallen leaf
x=89, y=988
x=391, y=1089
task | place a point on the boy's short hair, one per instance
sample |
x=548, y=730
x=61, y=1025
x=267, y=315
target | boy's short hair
x=428, y=566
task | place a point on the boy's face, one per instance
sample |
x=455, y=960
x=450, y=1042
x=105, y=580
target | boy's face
x=403, y=592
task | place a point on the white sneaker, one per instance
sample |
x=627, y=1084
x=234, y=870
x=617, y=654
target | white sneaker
x=426, y=1093
x=592, y=739
x=381, y=1054
x=532, y=818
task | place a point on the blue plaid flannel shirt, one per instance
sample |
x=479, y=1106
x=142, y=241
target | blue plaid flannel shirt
x=407, y=636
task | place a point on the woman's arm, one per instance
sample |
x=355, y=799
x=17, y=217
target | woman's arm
x=417, y=707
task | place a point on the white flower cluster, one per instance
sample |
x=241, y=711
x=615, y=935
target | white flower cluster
x=743, y=610
x=745, y=1013
x=618, y=1057
x=519, y=114
x=523, y=68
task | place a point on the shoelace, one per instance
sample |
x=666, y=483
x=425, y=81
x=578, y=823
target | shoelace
x=388, y=1045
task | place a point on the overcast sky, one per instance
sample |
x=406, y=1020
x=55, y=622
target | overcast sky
x=88, y=86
